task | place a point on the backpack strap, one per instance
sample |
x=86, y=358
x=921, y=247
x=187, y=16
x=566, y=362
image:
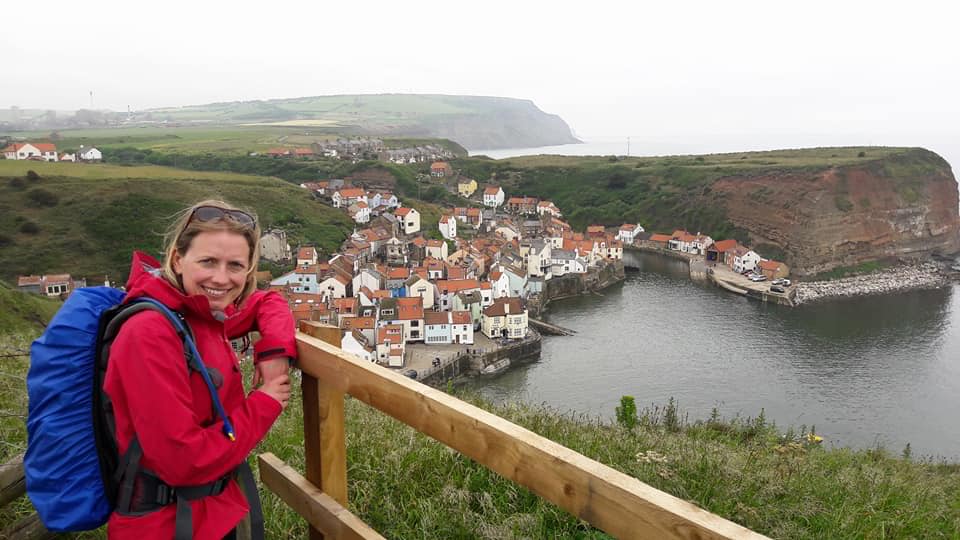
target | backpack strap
x=128, y=470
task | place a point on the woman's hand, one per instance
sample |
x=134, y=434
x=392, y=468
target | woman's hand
x=266, y=370
x=278, y=388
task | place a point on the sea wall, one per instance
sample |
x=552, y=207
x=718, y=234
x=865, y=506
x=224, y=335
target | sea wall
x=896, y=279
x=575, y=284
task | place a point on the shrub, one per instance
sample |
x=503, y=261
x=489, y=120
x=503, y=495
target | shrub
x=41, y=197
x=862, y=154
x=29, y=227
x=5, y=240
x=843, y=203
x=32, y=175
x=17, y=183
x=627, y=412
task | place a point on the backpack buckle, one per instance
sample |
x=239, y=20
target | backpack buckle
x=165, y=494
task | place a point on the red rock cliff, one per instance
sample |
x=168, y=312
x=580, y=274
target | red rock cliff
x=903, y=206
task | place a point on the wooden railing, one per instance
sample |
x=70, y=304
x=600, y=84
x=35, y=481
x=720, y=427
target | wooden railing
x=607, y=499
x=12, y=487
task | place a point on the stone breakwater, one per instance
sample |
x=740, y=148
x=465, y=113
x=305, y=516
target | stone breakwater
x=899, y=278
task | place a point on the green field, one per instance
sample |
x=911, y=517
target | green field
x=86, y=219
x=232, y=139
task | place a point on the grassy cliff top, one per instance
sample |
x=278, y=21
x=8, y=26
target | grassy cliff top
x=86, y=219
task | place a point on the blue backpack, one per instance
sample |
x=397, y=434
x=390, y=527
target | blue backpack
x=74, y=475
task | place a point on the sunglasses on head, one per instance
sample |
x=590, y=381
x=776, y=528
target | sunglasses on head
x=210, y=213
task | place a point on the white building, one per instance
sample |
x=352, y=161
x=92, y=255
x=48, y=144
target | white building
x=409, y=220
x=274, y=246
x=745, y=260
x=493, y=196
x=505, y=318
x=628, y=231
x=359, y=212
x=89, y=154
x=448, y=227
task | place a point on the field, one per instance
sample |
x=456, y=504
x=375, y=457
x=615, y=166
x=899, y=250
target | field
x=87, y=219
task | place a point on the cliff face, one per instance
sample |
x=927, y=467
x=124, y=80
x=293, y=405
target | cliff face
x=488, y=123
x=904, y=206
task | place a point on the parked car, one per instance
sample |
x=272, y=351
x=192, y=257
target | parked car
x=778, y=281
x=412, y=373
x=786, y=282
x=758, y=277
x=777, y=289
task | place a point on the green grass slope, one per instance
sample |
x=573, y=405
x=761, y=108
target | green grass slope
x=23, y=313
x=87, y=219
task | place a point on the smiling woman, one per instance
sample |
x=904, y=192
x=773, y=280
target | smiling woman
x=186, y=460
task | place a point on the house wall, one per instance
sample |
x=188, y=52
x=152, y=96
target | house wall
x=437, y=334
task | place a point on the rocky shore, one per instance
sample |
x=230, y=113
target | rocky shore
x=898, y=278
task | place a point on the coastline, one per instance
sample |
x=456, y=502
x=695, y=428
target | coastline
x=907, y=276
x=900, y=278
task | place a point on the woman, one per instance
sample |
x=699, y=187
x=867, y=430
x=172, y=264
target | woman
x=208, y=277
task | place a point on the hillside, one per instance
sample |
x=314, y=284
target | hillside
x=819, y=208
x=472, y=121
x=86, y=219
x=22, y=313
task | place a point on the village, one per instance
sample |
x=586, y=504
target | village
x=418, y=301
x=48, y=152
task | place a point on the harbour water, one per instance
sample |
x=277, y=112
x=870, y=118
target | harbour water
x=865, y=371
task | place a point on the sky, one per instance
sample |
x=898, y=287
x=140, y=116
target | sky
x=719, y=74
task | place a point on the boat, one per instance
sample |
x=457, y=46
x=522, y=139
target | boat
x=495, y=368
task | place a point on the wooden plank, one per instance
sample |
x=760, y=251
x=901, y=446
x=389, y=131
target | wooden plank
x=319, y=509
x=324, y=435
x=28, y=528
x=12, y=480
x=608, y=499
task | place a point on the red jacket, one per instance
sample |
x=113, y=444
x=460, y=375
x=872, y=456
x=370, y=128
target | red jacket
x=169, y=408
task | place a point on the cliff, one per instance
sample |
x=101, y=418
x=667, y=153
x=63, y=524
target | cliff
x=472, y=121
x=901, y=206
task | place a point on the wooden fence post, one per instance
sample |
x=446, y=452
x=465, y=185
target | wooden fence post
x=324, y=435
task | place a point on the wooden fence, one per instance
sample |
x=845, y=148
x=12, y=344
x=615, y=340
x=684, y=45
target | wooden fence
x=609, y=500
x=12, y=487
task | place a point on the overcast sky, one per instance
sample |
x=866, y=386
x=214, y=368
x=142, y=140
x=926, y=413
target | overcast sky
x=795, y=73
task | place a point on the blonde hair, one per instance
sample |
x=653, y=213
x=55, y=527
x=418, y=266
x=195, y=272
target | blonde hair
x=184, y=229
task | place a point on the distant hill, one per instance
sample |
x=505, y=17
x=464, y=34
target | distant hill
x=87, y=219
x=473, y=121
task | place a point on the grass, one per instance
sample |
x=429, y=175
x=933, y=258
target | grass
x=98, y=214
x=405, y=485
x=846, y=271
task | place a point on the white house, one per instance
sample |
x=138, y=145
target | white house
x=417, y=286
x=493, y=196
x=437, y=249
x=448, y=227
x=505, y=318
x=67, y=157
x=390, y=345
x=43, y=151
x=628, y=231
x=360, y=212
x=499, y=283
x=536, y=255
x=351, y=343
x=369, y=278
x=566, y=262
x=745, y=260
x=334, y=286
x=306, y=255
x=409, y=220
x=89, y=154
x=461, y=327
x=347, y=196
x=508, y=232
x=547, y=207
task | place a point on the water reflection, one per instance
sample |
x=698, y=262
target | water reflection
x=867, y=370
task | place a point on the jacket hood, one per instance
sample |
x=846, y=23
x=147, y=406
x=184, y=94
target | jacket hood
x=146, y=279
